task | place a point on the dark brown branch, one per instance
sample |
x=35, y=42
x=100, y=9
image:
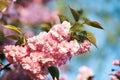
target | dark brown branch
x=5, y=66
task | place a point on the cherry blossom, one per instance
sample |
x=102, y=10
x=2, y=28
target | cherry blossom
x=115, y=74
x=46, y=49
x=84, y=73
x=116, y=62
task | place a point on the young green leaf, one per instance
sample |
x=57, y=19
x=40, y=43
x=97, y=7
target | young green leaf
x=75, y=14
x=15, y=37
x=91, y=38
x=0, y=61
x=45, y=26
x=13, y=28
x=21, y=41
x=93, y=23
x=79, y=38
x=54, y=72
x=76, y=27
x=63, y=18
x=3, y=5
x=80, y=12
x=1, y=35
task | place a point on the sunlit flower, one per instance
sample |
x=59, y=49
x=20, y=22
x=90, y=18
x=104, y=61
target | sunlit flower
x=84, y=73
x=116, y=62
x=115, y=75
x=45, y=50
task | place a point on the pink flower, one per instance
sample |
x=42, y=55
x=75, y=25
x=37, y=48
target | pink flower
x=113, y=77
x=14, y=53
x=34, y=69
x=84, y=73
x=61, y=31
x=27, y=64
x=64, y=77
x=116, y=62
x=74, y=47
x=41, y=13
x=29, y=34
x=34, y=41
x=84, y=47
x=46, y=49
x=23, y=11
x=118, y=73
x=18, y=74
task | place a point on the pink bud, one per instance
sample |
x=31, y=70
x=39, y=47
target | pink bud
x=116, y=62
x=118, y=73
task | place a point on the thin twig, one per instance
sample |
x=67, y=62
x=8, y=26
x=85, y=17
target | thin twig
x=5, y=66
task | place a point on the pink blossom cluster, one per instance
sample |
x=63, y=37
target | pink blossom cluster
x=116, y=62
x=5, y=41
x=85, y=73
x=113, y=75
x=116, y=74
x=41, y=13
x=17, y=74
x=63, y=77
x=53, y=48
x=22, y=10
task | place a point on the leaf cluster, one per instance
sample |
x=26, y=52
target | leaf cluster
x=77, y=29
x=3, y=5
x=18, y=35
x=77, y=32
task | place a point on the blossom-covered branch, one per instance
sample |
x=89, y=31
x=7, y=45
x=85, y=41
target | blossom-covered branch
x=46, y=49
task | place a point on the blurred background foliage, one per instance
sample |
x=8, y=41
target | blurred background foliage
x=106, y=12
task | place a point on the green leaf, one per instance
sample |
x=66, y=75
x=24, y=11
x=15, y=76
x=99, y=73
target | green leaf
x=21, y=41
x=80, y=12
x=75, y=14
x=63, y=18
x=0, y=61
x=80, y=38
x=13, y=28
x=90, y=36
x=54, y=72
x=3, y=5
x=93, y=23
x=77, y=26
x=15, y=37
x=1, y=35
x=45, y=26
